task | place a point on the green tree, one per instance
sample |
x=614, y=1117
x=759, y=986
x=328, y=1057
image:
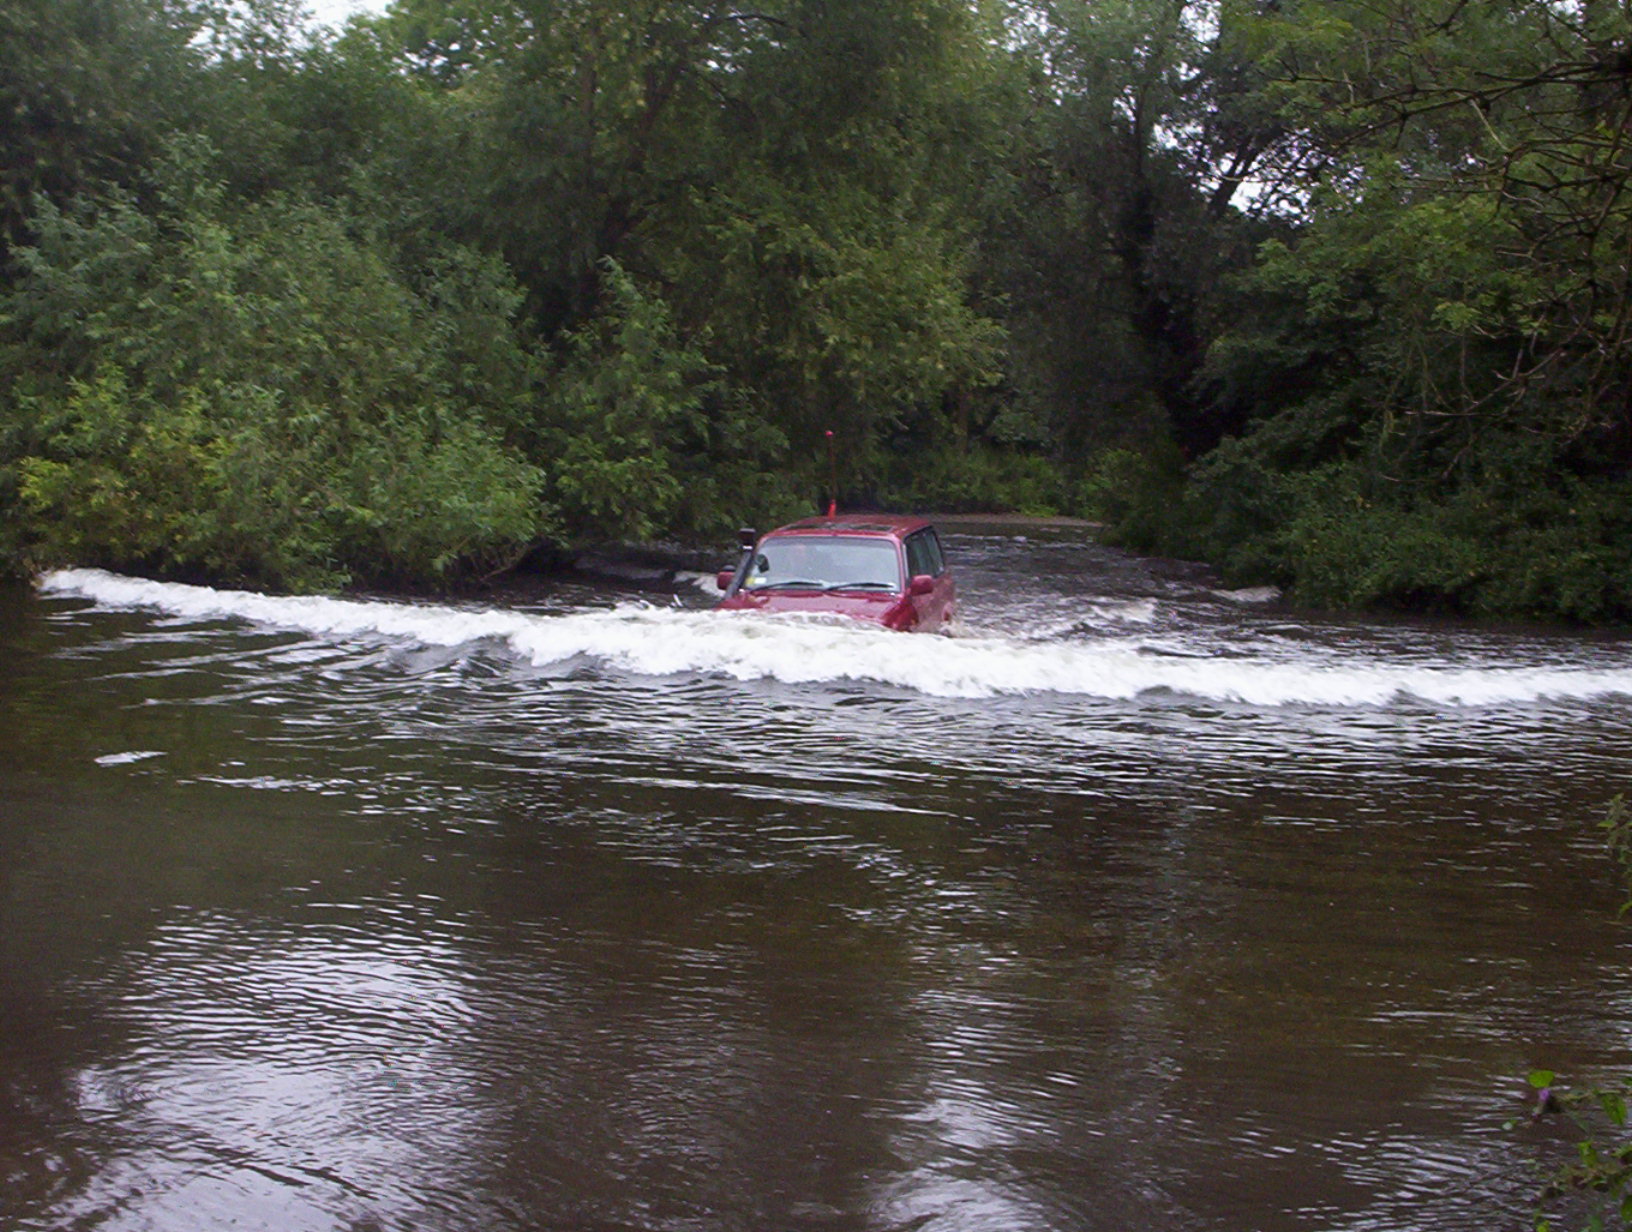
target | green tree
x=780, y=173
x=186, y=401
x=1144, y=121
x=827, y=254
x=88, y=91
x=641, y=438
x=1434, y=345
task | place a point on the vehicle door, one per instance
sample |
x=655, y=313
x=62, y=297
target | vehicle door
x=924, y=558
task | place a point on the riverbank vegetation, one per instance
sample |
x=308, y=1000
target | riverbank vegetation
x=1597, y=1182
x=1331, y=294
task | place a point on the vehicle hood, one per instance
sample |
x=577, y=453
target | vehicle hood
x=862, y=606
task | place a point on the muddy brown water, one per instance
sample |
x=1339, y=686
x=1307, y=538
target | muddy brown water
x=1136, y=905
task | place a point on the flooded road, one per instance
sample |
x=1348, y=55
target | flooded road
x=1137, y=905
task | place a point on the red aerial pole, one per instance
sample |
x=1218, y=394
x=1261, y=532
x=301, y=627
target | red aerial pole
x=833, y=478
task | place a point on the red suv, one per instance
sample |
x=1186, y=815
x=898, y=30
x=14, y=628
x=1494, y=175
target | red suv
x=877, y=567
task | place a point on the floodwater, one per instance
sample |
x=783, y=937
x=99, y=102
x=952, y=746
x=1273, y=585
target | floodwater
x=1136, y=905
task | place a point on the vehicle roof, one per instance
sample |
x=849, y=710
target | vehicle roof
x=894, y=525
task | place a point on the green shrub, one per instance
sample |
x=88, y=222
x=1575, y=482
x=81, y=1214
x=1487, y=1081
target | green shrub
x=1600, y=1175
x=258, y=396
x=978, y=479
x=231, y=485
x=1139, y=495
x=641, y=439
x=1508, y=530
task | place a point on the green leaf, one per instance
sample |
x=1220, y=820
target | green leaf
x=1541, y=1079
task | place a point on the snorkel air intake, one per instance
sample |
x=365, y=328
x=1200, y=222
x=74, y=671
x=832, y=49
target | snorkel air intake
x=747, y=538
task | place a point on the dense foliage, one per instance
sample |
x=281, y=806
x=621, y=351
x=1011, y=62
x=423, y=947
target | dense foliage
x=1331, y=293
x=1433, y=353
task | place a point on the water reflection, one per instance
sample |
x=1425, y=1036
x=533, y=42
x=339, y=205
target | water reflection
x=291, y=1079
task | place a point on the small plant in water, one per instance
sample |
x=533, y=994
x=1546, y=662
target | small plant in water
x=1603, y=1164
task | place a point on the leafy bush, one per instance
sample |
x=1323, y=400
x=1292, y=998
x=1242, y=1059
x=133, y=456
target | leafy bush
x=976, y=479
x=1506, y=530
x=614, y=412
x=1138, y=494
x=224, y=484
x=1602, y=1169
x=257, y=395
x=641, y=439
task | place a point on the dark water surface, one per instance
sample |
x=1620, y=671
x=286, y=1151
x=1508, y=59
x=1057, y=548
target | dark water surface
x=1135, y=906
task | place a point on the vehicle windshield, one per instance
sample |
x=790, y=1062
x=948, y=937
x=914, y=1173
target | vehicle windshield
x=825, y=562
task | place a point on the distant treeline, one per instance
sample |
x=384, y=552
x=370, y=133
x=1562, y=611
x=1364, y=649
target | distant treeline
x=1331, y=293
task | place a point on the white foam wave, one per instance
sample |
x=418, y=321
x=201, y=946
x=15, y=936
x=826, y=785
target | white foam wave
x=1251, y=594
x=125, y=759
x=1133, y=611
x=658, y=641
x=708, y=583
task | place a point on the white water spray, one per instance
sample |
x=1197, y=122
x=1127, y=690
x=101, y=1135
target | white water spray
x=659, y=642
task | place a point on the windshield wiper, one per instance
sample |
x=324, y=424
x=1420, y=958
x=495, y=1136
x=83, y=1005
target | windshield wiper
x=789, y=584
x=860, y=586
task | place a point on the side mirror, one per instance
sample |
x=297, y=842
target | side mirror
x=921, y=584
x=722, y=579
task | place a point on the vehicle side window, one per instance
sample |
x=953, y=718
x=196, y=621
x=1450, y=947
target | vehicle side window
x=937, y=558
x=919, y=558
